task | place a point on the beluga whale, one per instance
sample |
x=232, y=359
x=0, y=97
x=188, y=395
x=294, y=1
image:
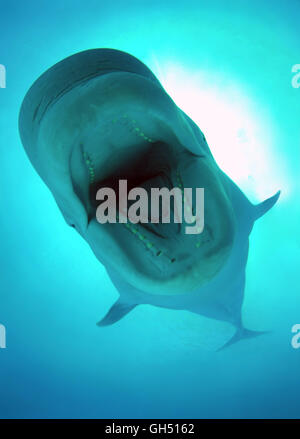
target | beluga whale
x=101, y=116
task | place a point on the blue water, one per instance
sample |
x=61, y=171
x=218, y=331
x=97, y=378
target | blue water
x=228, y=65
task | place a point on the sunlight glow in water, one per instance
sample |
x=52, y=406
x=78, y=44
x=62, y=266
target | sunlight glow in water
x=237, y=132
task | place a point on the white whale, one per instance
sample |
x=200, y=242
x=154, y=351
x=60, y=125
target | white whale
x=100, y=116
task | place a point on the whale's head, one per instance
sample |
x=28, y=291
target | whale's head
x=101, y=116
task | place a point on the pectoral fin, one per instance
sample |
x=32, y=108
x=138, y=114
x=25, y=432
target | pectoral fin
x=262, y=208
x=116, y=313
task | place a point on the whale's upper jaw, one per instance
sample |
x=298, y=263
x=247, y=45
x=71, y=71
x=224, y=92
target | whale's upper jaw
x=121, y=126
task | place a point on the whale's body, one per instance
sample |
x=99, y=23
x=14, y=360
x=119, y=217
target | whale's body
x=87, y=119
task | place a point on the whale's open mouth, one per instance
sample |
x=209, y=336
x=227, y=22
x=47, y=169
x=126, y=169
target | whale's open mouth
x=123, y=127
x=155, y=166
x=162, y=253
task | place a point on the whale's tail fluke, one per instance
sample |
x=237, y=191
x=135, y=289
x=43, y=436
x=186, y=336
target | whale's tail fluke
x=241, y=334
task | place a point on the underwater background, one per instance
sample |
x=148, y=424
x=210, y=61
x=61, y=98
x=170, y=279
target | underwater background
x=228, y=65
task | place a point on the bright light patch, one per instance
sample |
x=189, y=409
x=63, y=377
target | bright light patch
x=239, y=135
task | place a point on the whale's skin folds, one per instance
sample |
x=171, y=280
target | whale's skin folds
x=222, y=297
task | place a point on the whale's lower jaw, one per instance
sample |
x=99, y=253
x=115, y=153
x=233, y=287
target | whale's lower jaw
x=137, y=136
x=154, y=272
